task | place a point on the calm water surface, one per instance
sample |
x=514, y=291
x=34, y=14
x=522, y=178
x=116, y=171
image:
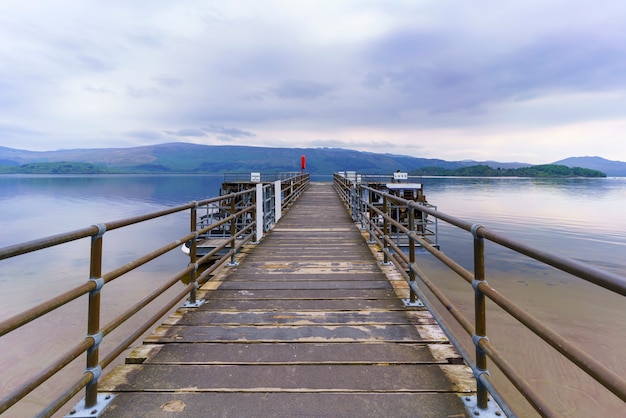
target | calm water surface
x=581, y=219
x=578, y=218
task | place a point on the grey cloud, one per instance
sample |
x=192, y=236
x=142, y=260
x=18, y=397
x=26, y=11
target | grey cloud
x=225, y=138
x=432, y=73
x=228, y=132
x=440, y=89
x=301, y=89
x=168, y=81
x=10, y=92
x=10, y=130
x=373, y=80
x=94, y=64
x=423, y=69
x=414, y=46
x=339, y=143
x=146, y=38
x=145, y=134
x=98, y=90
x=579, y=61
x=141, y=93
x=186, y=132
x=211, y=16
x=60, y=46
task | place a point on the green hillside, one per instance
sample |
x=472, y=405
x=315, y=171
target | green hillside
x=546, y=170
x=194, y=158
x=61, y=167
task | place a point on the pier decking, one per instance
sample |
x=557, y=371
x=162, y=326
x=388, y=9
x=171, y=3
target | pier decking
x=307, y=325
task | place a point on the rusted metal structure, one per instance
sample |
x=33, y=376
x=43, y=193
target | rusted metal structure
x=398, y=184
x=484, y=349
x=306, y=324
x=275, y=189
x=241, y=233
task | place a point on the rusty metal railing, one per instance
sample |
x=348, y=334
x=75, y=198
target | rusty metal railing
x=484, y=349
x=241, y=204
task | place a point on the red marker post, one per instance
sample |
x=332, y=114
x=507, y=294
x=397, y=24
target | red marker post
x=302, y=166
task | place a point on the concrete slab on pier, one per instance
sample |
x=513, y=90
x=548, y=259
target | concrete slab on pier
x=307, y=325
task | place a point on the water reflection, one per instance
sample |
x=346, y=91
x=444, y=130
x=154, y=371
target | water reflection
x=36, y=206
x=569, y=214
x=162, y=190
x=578, y=218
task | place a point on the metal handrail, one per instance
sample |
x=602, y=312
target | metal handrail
x=484, y=349
x=297, y=182
x=264, y=177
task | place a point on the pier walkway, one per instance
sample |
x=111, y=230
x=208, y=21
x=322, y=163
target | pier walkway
x=307, y=324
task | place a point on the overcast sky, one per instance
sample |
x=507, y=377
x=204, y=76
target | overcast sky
x=518, y=80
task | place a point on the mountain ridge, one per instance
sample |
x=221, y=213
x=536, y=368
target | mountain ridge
x=610, y=167
x=183, y=157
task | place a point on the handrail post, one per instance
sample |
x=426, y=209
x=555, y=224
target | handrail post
x=482, y=394
x=257, y=201
x=385, y=229
x=193, y=275
x=361, y=207
x=277, y=201
x=371, y=214
x=413, y=296
x=93, y=317
x=233, y=229
x=354, y=200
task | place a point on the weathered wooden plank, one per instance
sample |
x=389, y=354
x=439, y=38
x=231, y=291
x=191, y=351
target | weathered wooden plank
x=322, y=240
x=305, y=285
x=295, y=333
x=279, y=270
x=302, y=304
x=340, y=405
x=345, y=276
x=285, y=378
x=278, y=239
x=305, y=255
x=199, y=317
x=333, y=265
x=313, y=294
x=293, y=353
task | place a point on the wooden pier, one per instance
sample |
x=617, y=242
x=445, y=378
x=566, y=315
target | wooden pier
x=308, y=324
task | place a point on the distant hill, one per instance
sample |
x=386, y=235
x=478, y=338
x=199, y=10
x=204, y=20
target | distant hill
x=611, y=168
x=192, y=158
x=181, y=157
x=61, y=167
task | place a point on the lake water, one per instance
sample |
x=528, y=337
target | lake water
x=578, y=218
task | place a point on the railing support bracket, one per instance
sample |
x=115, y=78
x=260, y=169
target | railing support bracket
x=408, y=304
x=195, y=304
x=471, y=404
x=79, y=410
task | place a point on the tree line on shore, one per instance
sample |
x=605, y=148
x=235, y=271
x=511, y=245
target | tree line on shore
x=544, y=170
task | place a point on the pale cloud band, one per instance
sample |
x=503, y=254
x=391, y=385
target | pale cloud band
x=529, y=81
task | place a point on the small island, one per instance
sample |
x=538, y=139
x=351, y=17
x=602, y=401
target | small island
x=543, y=171
x=61, y=167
